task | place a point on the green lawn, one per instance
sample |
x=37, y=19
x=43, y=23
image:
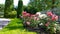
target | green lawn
x=15, y=27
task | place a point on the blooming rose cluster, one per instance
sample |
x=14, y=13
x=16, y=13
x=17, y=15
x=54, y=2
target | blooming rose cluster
x=39, y=16
x=25, y=14
x=41, y=19
x=48, y=14
x=53, y=16
x=29, y=16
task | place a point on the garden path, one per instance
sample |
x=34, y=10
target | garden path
x=4, y=22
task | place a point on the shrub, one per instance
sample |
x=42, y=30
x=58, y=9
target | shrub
x=12, y=14
x=46, y=22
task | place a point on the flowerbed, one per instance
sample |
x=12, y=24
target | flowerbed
x=45, y=22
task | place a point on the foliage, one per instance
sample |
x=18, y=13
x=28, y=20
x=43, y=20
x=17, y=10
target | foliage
x=1, y=7
x=31, y=10
x=44, y=4
x=2, y=10
x=12, y=14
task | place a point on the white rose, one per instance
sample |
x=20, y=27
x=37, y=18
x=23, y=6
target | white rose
x=55, y=30
x=55, y=24
x=41, y=24
x=39, y=13
x=42, y=16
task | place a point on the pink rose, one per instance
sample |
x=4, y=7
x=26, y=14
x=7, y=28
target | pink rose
x=49, y=13
x=47, y=24
x=24, y=13
x=28, y=23
x=53, y=17
x=32, y=15
x=35, y=18
x=56, y=17
x=36, y=15
x=28, y=14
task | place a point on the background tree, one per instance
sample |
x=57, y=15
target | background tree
x=19, y=9
x=44, y=4
x=1, y=7
x=8, y=8
x=1, y=10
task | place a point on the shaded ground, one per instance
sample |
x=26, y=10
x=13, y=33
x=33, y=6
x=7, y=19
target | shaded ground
x=15, y=27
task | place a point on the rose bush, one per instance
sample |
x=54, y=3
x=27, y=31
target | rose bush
x=46, y=22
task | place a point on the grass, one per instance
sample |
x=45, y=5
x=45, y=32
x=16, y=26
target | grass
x=15, y=27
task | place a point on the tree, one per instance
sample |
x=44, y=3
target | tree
x=1, y=7
x=37, y=3
x=44, y=4
x=19, y=9
x=8, y=7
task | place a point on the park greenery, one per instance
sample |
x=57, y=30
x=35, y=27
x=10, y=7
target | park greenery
x=16, y=13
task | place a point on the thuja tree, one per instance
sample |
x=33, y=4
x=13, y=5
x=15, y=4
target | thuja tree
x=8, y=8
x=19, y=9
